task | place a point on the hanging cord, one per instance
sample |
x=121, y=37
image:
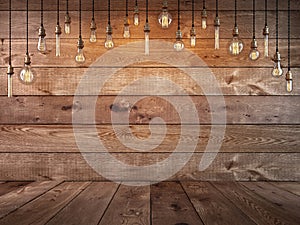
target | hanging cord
x=93, y=17
x=108, y=12
x=266, y=12
x=204, y=4
x=147, y=11
x=253, y=12
x=277, y=24
x=67, y=7
x=289, y=35
x=178, y=13
x=126, y=8
x=217, y=8
x=42, y=12
x=136, y=3
x=27, y=30
x=79, y=18
x=57, y=13
x=235, y=13
x=9, y=59
x=193, y=13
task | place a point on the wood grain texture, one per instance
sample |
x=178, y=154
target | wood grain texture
x=260, y=210
x=42, y=209
x=88, y=207
x=238, y=138
x=18, y=198
x=226, y=166
x=292, y=187
x=7, y=187
x=130, y=205
x=170, y=205
x=212, y=206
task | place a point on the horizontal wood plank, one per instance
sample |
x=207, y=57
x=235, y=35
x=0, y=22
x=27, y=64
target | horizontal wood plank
x=7, y=187
x=226, y=166
x=237, y=138
x=292, y=187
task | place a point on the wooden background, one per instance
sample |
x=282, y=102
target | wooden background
x=262, y=139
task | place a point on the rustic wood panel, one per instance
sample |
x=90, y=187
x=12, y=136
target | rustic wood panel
x=238, y=138
x=260, y=210
x=292, y=187
x=170, y=205
x=130, y=205
x=212, y=206
x=232, y=81
x=18, y=198
x=226, y=17
x=226, y=166
x=88, y=207
x=7, y=187
x=239, y=109
x=42, y=209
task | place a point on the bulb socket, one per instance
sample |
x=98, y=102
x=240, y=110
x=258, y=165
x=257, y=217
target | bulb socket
x=276, y=57
x=58, y=29
x=126, y=21
x=193, y=32
x=254, y=44
x=27, y=59
x=147, y=27
x=136, y=10
x=67, y=18
x=10, y=70
x=80, y=43
x=165, y=5
x=204, y=13
x=289, y=76
x=178, y=35
x=266, y=30
x=235, y=31
x=109, y=29
x=93, y=25
x=42, y=31
x=217, y=22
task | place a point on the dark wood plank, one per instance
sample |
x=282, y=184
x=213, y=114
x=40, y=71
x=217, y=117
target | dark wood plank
x=257, y=208
x=7, y=187
x=88, y=207
x=170, y=205
x=237, y=138
x=45, y=207
x=17, y=198
x=130, y=205
x=292, y=187
x=212, y=206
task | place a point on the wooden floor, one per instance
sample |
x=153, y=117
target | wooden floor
x=166, y=203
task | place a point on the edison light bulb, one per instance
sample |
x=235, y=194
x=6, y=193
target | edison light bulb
x=136, y=16
x=109, y=44
x=277, y=70
x=178, y=45
x=57, y=35
x=27, y=74
x=147, y=38
x=289, y=81
x=10, y=72
x=67, y=24
x=126, y=33
x=93, y=35
x=236, y=45
x=266, y=41
x=193, y=37
x=80, y=58
x=217, y=33
x=42, y=47
x=254, y=53
x=204, y=19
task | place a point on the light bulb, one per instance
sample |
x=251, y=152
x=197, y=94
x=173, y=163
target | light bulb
x=109, y=44
x=42, y=47
x=93, y=35
x=217, y=33
x=147, y=38
x=254, y=53
x=136, y=16
x=266, y=41
x=204, y=19
x=57, y=36
x=27, y=74
x=165, y=19
x=10, y=72
x=126, y=33
x=277, y=70
x=236, y=45
x=178, y=45
x=193, y=37
x=289, y=81
x=67, y=24
x=80, y=58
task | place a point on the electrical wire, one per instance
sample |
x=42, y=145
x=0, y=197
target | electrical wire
x=193, y=13
x=289, y=35
x=277, y=24
x=178, y=13
x=254, y=15
x=147, y=11
x=9, y=59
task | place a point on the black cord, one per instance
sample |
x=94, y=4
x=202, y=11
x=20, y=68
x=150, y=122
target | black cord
x=80, y=18
x=289, y=35
x=57, y=12
x=147, y=11
x=178, y=2
x=235, y=13
x=27, y=29
x=217, y=8
x=93, y=10
x=67, y=6
x=253, y=11
x=136, y=3
x=277, y=24
x=266, y=12
x=193, y=13
x=204, y=5
x=126, y=8
x=42, y=12
x=108, y=12
x=9, y=59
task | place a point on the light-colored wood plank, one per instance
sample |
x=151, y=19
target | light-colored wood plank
x=170, y=205
x=7, y=187
x=43, y=208
x=257, y=208
x=289, y=203
x=16, y=199
x=239, y=109
x=292, y=187
x=130, y=205
x=212, y=206
x=88, y=207
x=237, y=138
x=226, y=166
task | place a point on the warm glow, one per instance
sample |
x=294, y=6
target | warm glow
x=147, y=43
x=266, y=45
x=57, y=44
x=217, y=37
x=80, y=58
x=109, y=44
x=42, y=47
x=27, y=75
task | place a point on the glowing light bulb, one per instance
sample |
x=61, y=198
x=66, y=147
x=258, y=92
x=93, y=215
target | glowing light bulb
x=57, y=35
x=289, y=81
x=193, y=37
x=136, y=16
x=277, y=69
x=178, y=45
x=67, y=24
x=42, y=47
x=10, y=72
x=204, y=19
x=93, y=35
x=217, y=33
x=165, y=18
x=126, y=33
x=109, y=44
x=254, y=53
x=266, y=41
x=80, y=58
x=147, y=38
x=236, y=45
x=27, y=74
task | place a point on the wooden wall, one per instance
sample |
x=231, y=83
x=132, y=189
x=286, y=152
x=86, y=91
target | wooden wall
x=262, y=139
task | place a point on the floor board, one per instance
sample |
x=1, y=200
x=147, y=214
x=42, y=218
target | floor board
x=7, y=187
